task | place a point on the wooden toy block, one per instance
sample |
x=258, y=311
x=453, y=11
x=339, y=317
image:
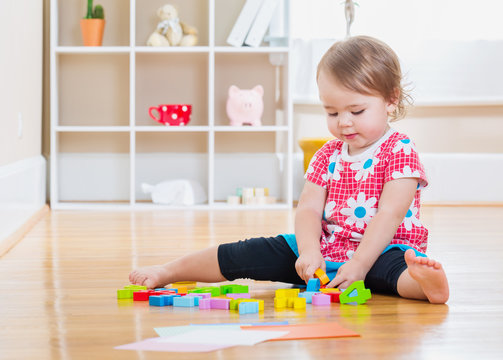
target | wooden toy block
x=279, y=303
x=355, y=293
x=213, y=290
x=308, y=295
x=205, y=304
x=290, y=302
x=313, y=285
x=320, y=274
x=141, y=295
x=248, y=307
x=239, y=295
x=184, y=301
x=299, y=303
x=135, y=287
x=321, y=299
x=156, y=300
x=222, y=304
x=240, y=289
x=287, y=293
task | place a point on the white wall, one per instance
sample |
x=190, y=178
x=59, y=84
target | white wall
x=22, y=168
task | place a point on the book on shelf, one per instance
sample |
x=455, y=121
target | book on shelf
x=261, y=23
x=244, y=22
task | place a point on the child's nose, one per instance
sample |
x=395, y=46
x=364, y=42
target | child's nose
x=345, y=120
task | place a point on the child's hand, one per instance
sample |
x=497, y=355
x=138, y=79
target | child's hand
x=308, y=263
x=348, y=273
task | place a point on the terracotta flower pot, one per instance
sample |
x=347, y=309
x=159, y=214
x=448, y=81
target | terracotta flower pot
x=92, y=31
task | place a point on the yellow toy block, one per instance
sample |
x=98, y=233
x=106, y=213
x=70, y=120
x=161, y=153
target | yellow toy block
x=290, y=301
x=279, y=303
x=127, y=292
x=234, y=304
x=189, y=285
x=299, y=303
x=320, y=274
x=287, y=293
x=330, y=291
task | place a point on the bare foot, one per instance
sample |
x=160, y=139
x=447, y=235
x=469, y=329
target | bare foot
x=430, y=275
x=150, y=276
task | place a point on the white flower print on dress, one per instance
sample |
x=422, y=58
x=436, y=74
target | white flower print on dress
x=406, y=145
x=365, y=168
x=310, y=168
x=334, y=167
x=410, y=218
x=406, y=173
x=329, y=208
x=360, y=211
x=356, y=237
x=332, y=229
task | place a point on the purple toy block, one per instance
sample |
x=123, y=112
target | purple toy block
x=222, y=304
x=205, y=304
x=321, y=299
x=238, y=296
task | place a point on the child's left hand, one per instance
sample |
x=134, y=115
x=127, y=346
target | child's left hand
x=348, y=273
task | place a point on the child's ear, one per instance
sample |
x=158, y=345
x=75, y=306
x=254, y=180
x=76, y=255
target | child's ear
x=393, y=101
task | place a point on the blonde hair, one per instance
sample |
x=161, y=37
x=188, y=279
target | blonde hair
x=367, y=66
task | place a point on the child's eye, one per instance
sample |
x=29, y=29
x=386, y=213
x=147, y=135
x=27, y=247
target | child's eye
x=333, y=114
x=358, y=112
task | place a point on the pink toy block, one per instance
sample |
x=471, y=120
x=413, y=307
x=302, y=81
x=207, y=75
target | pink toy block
x=222, y=304
x=239, y=296
x=205, y=304
x=320, y=299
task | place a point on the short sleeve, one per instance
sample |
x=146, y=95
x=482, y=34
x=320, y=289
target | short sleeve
x=405, y=163
x=318, y=167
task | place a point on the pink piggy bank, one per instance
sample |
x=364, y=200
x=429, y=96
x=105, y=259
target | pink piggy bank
x=245, y=107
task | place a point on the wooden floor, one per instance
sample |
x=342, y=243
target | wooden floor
x=58, y=289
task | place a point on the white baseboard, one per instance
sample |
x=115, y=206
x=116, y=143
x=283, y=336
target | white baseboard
x=22, y=193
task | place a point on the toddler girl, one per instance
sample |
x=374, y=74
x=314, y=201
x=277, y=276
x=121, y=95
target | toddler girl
x=358, y=214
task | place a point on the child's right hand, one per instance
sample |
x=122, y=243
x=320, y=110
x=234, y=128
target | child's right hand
x=307, y=263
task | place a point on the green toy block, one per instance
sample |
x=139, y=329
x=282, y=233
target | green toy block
x=355, y=293
x=233, y=289
x=214, y=290
x=127, y=292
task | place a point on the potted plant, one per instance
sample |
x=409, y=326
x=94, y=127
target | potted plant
x=93, y=25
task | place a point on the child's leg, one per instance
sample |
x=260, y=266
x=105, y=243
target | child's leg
x=259, y=259
x=198, y=266
x=423, y=279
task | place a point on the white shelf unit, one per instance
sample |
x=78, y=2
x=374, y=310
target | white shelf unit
x=104, y=144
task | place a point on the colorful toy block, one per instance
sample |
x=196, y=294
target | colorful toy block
x=143, y=295
x=248, y=307
x=313, y=285
x=330, y=291
x=205, y=304
x=299, y=303
x=197, y=298
x=234, y=304
x=308, y=295
x=162, y=300
x=280, y=303
x=355, y=294
x=286, y=293
x=186, y=284
x=184, y=301
x=334, y=297
x=127, y=291
x=213, y=290
x=222, y=304
x=234, y=289
x=320, y=274
x=321, y=299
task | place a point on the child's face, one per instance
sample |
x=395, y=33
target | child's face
x=357, y=119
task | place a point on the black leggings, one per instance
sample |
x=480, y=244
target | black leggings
x=272, y=259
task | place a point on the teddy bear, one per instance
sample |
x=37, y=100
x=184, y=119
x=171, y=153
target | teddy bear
x=171, y=31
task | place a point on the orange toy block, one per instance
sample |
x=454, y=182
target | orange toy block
x=320, y=274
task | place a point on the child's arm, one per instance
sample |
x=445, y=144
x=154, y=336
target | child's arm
x=308, y=230
x=396, y=198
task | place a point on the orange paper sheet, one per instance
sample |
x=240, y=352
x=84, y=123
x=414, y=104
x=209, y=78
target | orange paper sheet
x=306, y=331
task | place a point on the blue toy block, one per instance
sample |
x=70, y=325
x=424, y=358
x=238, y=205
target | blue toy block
x=308, y=295
x=248, y=307
x=196, y=298
x=184, y=301
x=161, y=300
x=313, y=285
